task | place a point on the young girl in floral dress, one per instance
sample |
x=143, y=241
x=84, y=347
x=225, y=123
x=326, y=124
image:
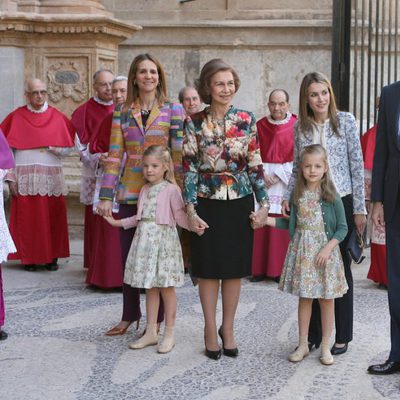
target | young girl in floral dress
x=313, y=266
x=155, y=257
x=6, y=243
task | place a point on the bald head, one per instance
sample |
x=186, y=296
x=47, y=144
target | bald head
x=278, y=104
x=190, y=100
x=102, y=84
x=33, y=82
x=35, y=93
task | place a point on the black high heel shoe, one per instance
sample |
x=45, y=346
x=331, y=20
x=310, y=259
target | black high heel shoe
x=213, y=354
x=228, y=352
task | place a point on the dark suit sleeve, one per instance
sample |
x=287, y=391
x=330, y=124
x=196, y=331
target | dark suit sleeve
x=381, y=150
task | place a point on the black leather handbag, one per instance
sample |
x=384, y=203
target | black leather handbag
x=356, y=245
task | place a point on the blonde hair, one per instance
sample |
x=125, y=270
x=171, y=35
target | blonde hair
x=133, y=90
x=328, y=191
x=162, y=153
x=306, y=114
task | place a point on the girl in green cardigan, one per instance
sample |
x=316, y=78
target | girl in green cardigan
x=313, y=266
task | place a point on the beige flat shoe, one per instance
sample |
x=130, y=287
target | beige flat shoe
x=299, y=354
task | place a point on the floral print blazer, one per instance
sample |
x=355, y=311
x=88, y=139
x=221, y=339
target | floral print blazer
x=222, y=164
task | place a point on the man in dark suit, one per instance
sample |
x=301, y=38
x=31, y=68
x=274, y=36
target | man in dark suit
x=386, y=210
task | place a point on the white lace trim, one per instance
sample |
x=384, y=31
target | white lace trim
x=40, y=180
x=281, y=121
x=42, y=110
x=102, y=102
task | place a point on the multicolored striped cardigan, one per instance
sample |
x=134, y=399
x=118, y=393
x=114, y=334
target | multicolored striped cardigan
x=164, y=127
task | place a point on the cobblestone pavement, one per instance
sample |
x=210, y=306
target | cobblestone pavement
x=57, y=348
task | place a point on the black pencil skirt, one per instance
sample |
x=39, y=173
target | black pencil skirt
x=225, y=250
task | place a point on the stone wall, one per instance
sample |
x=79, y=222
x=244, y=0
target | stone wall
x=63, y=43
x=270, y=43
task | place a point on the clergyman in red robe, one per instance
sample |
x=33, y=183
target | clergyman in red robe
x=275, y=133
x=39, y=136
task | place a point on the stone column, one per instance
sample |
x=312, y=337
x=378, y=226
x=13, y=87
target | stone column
x=62, y=49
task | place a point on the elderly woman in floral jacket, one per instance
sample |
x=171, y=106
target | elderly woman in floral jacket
x=222, y=169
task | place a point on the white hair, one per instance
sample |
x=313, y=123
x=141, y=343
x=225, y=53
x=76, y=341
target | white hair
x=28, y=82
x=120, y=78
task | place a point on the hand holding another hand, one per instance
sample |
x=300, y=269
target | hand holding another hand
x=260, y=218
x=104, y=208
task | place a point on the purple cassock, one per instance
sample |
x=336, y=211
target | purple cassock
x=6, y=157
x=6, y=162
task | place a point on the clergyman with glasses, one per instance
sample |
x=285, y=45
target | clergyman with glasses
x=39, y=136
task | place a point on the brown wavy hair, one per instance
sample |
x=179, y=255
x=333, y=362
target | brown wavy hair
x=306, y=114
x=133, y=90
x=209, y=69
x=328, y=191
x=163, y=154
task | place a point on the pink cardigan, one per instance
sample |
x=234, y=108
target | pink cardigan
x=170, y=208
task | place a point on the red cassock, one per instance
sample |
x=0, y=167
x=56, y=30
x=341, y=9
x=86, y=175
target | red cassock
x=38, y=223
x=102, y=249
x=377, y=270
x=270, y=244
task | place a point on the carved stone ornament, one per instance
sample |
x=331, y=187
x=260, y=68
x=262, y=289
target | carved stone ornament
x=106, y=64
x=67, y=78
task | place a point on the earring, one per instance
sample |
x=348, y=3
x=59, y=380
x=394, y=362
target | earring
x=134, y=82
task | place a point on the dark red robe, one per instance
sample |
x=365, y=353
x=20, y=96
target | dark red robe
x=102, y=249
x=377, y=270
x=270, y=244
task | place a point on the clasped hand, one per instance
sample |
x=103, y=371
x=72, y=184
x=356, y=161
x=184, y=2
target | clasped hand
x=259, y=218
x=197, y=225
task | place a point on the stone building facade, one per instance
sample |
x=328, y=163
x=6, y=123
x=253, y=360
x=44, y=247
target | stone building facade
x=270, y=43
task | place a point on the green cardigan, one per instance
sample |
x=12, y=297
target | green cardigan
x=332, y=213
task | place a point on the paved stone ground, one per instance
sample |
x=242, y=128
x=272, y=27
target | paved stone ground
x=57, y=348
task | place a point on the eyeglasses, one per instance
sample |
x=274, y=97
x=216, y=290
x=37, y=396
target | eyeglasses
x=38, y=92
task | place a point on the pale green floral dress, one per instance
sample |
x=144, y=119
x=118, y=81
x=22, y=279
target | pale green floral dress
x=155, y=256
x=300, y=275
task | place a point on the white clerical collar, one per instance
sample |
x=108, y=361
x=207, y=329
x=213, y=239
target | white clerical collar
x=280, y=121
x=102, y=102
x=41, y=110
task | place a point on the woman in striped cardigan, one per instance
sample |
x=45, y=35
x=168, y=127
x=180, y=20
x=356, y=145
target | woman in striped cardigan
x=147, y=118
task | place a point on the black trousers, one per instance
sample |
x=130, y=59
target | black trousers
x=343, y=305
x=393, y=271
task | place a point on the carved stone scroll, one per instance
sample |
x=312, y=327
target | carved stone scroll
x=67, y=80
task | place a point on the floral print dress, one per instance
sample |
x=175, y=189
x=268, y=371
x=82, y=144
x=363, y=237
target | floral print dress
x=6, y=242
x=155, y=257
x=301, y=276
